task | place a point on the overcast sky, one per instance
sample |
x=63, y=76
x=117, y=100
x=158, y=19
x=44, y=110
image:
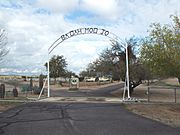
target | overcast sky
x=33, y=25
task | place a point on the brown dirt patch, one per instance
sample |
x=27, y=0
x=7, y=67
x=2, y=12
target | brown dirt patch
x=171, y=81
x=168, y=114
x=7, y=105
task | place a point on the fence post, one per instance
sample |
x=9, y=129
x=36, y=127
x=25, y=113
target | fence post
x=148, y=93
x=2, y=90
x=175, y=95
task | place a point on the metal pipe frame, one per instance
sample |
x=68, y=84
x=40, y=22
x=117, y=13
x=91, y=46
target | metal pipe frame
x=114, y=37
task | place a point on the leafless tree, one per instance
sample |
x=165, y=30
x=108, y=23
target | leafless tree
x=3, y=44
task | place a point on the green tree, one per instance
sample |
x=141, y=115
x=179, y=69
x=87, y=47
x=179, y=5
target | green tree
x=104, y=65
x=161, y=49
x=112, y=61
x=70, y=74
x=137, y=70
x=84, y=73
x=57, y=66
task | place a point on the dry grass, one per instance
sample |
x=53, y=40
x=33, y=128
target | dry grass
x=4, y=105
x=166, y=113
x=162, y=91
x=161, y=107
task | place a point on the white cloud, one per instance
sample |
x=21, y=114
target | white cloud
x=12, y=71
x=106, y=9
x=58, y=6
x=86, y=49
x=30, y=32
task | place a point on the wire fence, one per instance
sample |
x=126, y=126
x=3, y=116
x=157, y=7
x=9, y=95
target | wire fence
x=20, y=89
x=163, y=94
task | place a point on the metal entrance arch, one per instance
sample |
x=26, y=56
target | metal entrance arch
x=90, y=30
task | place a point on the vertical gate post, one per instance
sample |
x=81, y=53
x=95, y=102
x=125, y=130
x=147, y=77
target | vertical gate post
x=127, y=70
x=48, y=76
x=175, y=95
x=148, y=93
